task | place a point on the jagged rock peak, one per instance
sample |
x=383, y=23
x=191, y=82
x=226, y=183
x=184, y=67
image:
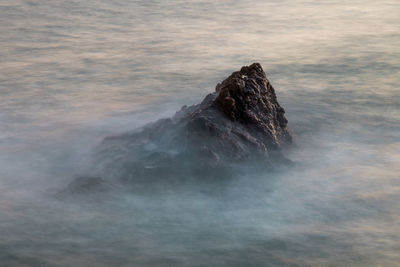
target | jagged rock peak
x=248, y=97
x=241, y=117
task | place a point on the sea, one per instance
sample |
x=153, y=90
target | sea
x=75, y=72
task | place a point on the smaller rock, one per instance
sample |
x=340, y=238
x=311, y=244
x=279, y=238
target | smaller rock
x=84, y=185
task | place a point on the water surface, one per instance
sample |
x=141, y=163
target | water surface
x=74, y=72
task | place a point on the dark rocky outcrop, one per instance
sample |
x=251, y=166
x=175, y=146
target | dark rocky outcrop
x=241, y=121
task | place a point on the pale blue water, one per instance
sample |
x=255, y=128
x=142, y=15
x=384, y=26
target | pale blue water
x=73, y=72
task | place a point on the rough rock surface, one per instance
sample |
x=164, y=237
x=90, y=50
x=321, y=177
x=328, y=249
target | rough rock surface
x=241, y=121
x=249, y=102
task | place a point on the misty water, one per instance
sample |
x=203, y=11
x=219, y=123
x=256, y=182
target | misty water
x=75, y=72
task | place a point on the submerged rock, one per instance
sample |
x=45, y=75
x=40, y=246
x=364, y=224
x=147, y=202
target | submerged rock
x=85, y=185
x=241, y=122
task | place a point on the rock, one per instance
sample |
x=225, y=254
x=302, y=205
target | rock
x=85, y=185
x=241, y=122
x=248, y=99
